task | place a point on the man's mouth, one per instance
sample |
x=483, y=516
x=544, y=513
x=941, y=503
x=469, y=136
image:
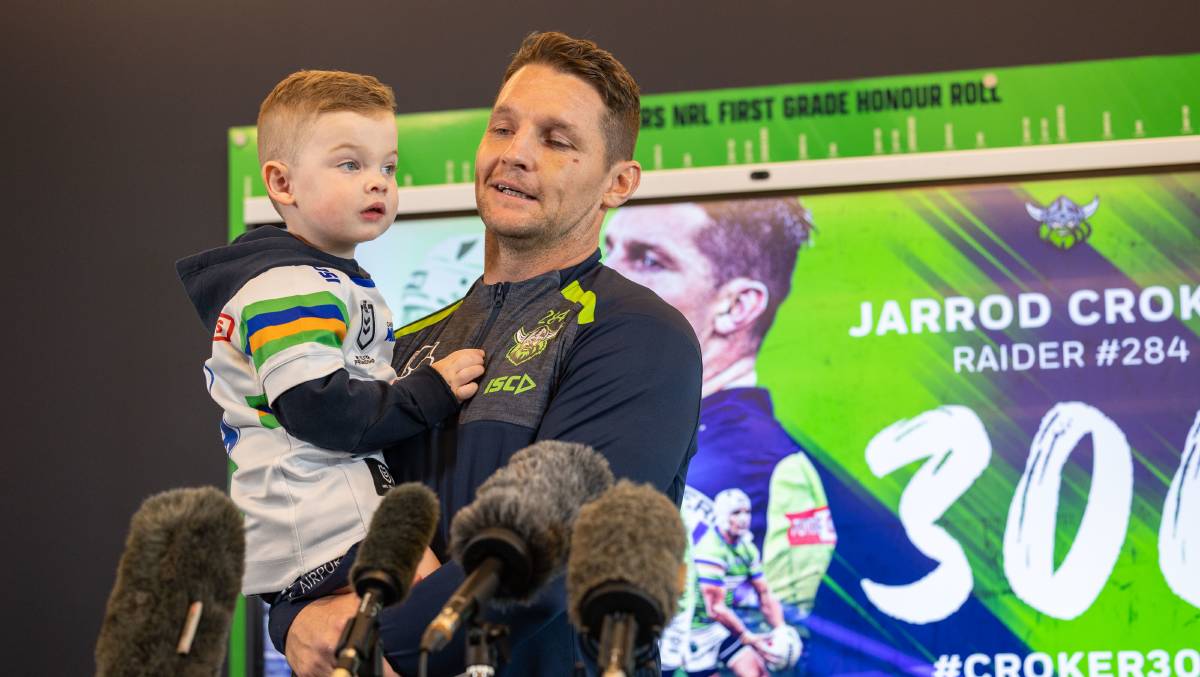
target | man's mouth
x=509, y=190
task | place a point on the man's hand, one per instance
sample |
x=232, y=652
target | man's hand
x=314, y=634
x=460, y=369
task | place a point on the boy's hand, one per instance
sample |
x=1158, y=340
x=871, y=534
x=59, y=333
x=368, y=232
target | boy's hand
x=460, y=369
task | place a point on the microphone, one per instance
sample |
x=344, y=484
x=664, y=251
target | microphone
x=625, y=574
x=177, y=583
x=514, y=536
x=383, y=570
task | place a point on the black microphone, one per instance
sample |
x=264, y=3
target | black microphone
x=383, y=570
x=625, y=574
x=513, y=537
x=177, y=583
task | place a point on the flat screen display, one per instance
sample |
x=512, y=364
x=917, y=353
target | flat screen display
x=947, y=430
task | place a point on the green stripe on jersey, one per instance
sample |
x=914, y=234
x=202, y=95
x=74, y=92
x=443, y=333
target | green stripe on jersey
x=320, y=298
x=270, y=348
x=426, y=321
x=265, y=417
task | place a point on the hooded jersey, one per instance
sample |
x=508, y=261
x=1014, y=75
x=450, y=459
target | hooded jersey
x=285, y=316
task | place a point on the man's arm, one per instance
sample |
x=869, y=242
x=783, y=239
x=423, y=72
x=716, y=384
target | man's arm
x=631, y=389
x=767, y=602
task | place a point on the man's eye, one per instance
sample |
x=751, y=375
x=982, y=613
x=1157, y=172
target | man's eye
x=349, y=166
x=501, y=130
x=648, y=260
x=558, y=143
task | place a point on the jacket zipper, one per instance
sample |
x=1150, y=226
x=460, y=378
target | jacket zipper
x=497, y=302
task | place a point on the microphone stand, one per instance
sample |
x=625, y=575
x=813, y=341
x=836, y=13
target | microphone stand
x=485, y=647
x=360, y=655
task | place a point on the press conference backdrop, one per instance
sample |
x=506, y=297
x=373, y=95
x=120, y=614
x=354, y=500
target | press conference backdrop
x=1005, y=431
x=972, y=444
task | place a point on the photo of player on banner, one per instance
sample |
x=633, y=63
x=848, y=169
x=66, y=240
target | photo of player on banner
x=727, y=266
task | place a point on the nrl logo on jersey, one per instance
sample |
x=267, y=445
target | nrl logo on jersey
x=366, y=331
x=1064, y=223
x=529, y=344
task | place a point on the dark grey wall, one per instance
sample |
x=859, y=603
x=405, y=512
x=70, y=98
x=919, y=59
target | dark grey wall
x=114, y=166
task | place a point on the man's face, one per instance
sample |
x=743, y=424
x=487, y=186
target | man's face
x=656, y=246
x=739, y=522
x=540, y=170
x=343, y=181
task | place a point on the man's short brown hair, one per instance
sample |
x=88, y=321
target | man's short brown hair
x=299, y=98
x=610, y=79
x=757, y=239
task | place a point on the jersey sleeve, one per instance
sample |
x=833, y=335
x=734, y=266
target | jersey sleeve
x=345, y=414
x=292, y=322
x=631, y=390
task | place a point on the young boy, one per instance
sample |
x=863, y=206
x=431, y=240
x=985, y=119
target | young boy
x=302, y=341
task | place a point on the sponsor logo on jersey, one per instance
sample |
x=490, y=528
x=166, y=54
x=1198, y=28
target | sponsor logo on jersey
x=224, y=330
x=811, y=527
x=516, y=384
x=329, y=275
x=363, y=360
x=381, y=475
x=421, y=357
x=366, y=330
x=529, y=344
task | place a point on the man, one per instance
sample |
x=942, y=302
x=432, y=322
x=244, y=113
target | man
x=574, y=351
x=726, y=563
x=727, y=266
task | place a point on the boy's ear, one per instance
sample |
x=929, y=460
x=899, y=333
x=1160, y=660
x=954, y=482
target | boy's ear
x=278, y=181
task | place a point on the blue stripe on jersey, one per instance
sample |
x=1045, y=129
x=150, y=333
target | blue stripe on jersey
x=363, y=282
x=262, y=320
x=720, y=565
x=711, y=581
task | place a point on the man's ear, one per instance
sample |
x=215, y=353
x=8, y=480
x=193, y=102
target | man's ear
x=741, y=301
x=278, y=180
x=624, y=179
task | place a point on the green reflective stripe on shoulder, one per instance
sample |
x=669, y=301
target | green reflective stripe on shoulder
x=574, y=292
x=427, y=320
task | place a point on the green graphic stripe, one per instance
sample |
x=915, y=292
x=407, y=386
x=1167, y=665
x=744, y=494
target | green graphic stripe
x=427, y=321
x=320, y=298
x=587, y=299
x=265, y=417
x=272, y=348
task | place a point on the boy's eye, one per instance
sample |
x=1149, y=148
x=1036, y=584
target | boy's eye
x=389, y=170
x=349, y=165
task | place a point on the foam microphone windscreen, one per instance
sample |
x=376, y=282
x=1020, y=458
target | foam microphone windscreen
x=537, y=496
x=401, y=529
x=632, y=534
x=177, y=583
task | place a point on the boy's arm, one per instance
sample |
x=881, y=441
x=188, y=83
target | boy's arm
x=345, y=414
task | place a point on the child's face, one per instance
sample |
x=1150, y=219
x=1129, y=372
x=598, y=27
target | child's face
x=343, y=181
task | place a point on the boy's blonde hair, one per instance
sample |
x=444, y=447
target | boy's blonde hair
x=290, y=108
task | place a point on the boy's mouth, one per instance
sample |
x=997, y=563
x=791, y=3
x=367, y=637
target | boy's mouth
x=374, y=210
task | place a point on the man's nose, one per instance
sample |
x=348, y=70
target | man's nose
x=519, y=151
